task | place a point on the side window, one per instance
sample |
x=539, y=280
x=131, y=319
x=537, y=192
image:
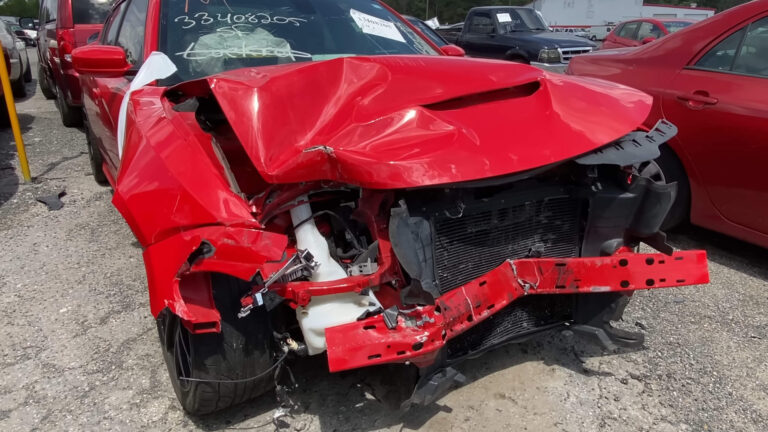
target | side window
x=53, y=10
x=131, y=34
x=720, y=58
x=629, y=30
x=648, y=30
x=48, y=11
x=753, y=55
x=481, y=23
x=43, y=16
x=109, y=34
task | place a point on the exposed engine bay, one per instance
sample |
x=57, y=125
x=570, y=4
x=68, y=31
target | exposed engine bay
x=357, y=256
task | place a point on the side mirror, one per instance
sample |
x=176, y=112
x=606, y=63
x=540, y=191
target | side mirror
x=453, y=51
x=101, y=60
x=27, y=23
x=647, y=40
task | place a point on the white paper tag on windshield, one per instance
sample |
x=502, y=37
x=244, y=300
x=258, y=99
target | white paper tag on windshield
x=503, y=17
x=376, y=26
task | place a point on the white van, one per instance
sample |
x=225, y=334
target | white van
x=597, y=33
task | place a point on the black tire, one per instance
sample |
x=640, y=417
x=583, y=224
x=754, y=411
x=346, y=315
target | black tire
x=673, y=171
x=242, y=350
x=95, y=156
x=71, y=116
x=19, y=88
x=28, y=73
x=42, y=80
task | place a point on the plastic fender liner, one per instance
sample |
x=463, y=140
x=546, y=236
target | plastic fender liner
x=239, y=252
x=421, y=333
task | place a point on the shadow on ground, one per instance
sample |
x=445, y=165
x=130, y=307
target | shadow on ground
x=9, y=177
x=350, y=400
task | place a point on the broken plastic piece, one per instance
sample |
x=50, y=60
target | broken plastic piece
x=52, y=201
x=634, y=148
x=157, y=66
x=435, y=387
x=390, y=317
x=366, y=268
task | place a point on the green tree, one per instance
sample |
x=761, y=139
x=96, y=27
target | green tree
x=20, y=8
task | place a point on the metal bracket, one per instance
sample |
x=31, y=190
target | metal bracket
x=301, y=265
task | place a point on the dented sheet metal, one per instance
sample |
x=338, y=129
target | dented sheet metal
x=358, y=119
x=370, y=341
x=239, y=252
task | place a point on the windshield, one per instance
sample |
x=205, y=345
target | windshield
x=428, y=32
x=204, y=37
x=674, y=26
x=90, y=11
x=515, y=20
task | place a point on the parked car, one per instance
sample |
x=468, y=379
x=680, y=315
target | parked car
x=66, y=25
x=576, y=31
x=317, y=177
x=17, y=62
x=21, y=35
x=642, y=31
x=599, y=33
x=517, y=34
x=711, y=80
x=30, y=26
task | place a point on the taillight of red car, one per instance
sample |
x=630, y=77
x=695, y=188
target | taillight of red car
x=66, y=42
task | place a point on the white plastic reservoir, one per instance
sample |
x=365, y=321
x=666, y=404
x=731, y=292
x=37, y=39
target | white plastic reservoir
x=324, y=311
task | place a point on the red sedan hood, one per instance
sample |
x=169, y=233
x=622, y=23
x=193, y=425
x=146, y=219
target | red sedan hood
x=394, y=122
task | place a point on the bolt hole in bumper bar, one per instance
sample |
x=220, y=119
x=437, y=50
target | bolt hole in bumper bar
x=420, y=334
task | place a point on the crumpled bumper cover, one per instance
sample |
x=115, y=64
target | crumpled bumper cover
x=421, y=333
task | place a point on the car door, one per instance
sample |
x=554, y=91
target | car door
x=125, y=28
x=719, y=105
x=46, y=35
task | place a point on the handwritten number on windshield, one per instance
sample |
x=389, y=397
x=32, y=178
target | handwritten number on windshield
x=203, y=18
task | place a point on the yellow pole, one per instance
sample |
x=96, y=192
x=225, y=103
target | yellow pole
x=6, y=81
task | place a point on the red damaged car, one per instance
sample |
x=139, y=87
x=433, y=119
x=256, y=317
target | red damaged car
x=314, y=176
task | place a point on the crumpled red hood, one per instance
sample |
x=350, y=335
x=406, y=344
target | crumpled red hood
x=404, y=121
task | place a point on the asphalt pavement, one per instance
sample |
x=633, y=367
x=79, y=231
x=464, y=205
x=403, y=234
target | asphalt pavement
x=80, y=351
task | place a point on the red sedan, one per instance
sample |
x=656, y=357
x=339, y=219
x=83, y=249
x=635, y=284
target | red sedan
x=711, y=80
x=642, y=31
x=316, y=177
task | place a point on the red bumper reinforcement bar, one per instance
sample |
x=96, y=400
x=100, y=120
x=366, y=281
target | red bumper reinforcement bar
x=420, y=333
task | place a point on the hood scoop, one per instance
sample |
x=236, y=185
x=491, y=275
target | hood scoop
x=516, y=92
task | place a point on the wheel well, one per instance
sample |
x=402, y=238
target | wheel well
x=518, y=58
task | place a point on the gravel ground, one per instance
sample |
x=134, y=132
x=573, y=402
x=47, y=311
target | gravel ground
x=80, y=349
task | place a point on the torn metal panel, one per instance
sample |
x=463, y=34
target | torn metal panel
x=231, y=252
